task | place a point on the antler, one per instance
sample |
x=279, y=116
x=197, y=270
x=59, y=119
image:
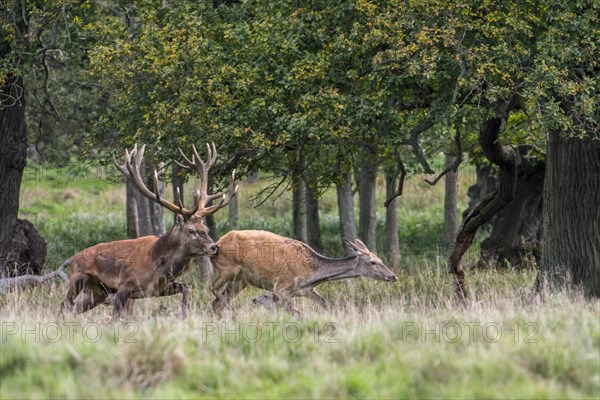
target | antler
x=131, y=169
x=202, y=196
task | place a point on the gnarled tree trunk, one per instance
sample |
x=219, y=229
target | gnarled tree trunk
x=516, y=235
x=516, y=231
x=507, y=160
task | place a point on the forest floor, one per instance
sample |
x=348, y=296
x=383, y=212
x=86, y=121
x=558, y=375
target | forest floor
x=378, y=340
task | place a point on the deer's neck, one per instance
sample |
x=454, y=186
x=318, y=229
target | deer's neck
x=169, y=259
x=329, y=269
x=166, y=245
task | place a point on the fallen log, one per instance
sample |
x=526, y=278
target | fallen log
x=22, y=281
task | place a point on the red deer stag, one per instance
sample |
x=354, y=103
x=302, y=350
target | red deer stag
x=117, y=272
x=286, y=267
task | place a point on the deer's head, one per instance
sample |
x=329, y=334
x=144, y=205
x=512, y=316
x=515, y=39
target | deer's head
x=190, y=232
x=369, y=264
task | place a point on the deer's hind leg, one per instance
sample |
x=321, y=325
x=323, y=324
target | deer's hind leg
x=231, y=290
x=317, y=298
x=76, y=284
x=223, y=278
x=283, y=298
x=92, y=294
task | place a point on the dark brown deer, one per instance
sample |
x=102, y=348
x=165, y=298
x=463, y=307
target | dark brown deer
x=286, y=267
x=149, y=266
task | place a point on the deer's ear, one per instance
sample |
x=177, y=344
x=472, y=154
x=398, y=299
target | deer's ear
x=359, y=244
x=352, y=247
x=179, y=220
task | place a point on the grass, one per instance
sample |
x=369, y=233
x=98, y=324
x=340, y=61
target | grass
x=408, y=339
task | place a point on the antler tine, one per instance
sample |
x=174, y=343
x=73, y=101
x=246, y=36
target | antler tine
x=190, y=163
x=132, y=170
x=231, y=189
x=224, y=202
x=214, y=154
x=179, y=199
x=197, y=156
x=121, y=168
x=181, y=165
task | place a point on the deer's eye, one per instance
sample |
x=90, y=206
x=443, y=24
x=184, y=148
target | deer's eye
x=191, y=231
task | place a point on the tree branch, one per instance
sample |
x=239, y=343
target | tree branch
x=455, y=164
x=402, y=171
x=7, y=284
x=416, y=146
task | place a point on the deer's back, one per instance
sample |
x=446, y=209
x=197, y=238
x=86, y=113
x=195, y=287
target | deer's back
x=264, y=258
x=109, y=261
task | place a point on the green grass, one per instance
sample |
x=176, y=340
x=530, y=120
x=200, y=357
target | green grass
x=376, y=341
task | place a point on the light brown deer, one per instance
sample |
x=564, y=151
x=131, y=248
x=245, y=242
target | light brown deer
x=287, y=267
x=149, y=266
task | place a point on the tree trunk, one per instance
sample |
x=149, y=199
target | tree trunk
x=313, y=226
x=367, y=222
x=143, y=207
x=211, y=223
x=392, y=243
x=507, y=160
x=485, y=184
x=177, y=177
x=299, y=209
x=131, y=210
x=450, y=205
x=345, y=200
x=571, y=249
x=234, y=219
x=516, y=235
x=22, y=249
x=157, y=212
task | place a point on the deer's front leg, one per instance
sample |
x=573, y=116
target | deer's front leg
x=216, y=286
x=120, y=300
x=176, y=288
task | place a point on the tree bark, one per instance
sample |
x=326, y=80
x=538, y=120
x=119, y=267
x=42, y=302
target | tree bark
x=131, y=210
x=299, y=209
x=313, y=226
x=571, y=244
x=345, y=200
x=157, y=212
x=367, y=220
x=143, y=208
x=516, y=236
x=177, y=178
x=450, y=205
x=392, y=242
x=507, y=160
x=21, y=247
x=13, y=157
